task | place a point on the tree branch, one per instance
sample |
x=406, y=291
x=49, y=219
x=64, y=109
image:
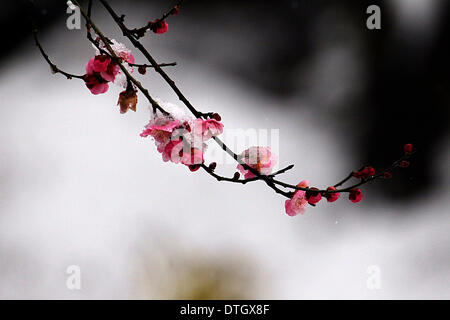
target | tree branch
x=53, y=66
x=133, y=35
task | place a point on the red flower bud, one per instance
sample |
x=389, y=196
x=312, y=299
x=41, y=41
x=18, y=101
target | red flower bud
x=408, y=148
x=175, y=10
x=216, y=117
x=194, y=167
x=142, y=70
x=212, y=166
x=355, y=195
x=387, y=175
x=364, y=173
x=367, y=172
x=332, y=197
x=370, y=171
x=357, y=174
x=404, y=164
x=313, y=196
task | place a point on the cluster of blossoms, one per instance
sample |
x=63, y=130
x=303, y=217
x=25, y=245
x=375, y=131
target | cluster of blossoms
x=179, y=138
x=101, y=69
x=297, y=204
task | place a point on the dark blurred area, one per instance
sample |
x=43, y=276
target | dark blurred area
x=405, y=98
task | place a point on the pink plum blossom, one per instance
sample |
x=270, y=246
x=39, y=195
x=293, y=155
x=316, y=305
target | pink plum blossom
x=207, y=128
x=113, y=73
x=297, y=204
x=174, y=137
x=99, y=71
x=96, y=84
x=160, y=129
x=173, y=151
x=259, y=158
x=102, y=65
x=98, y=63
x=194, y=157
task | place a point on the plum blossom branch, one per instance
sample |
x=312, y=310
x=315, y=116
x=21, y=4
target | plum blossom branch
x=120, y=22
x=270, y=181
x=194, y=111
x=175, y=137
x=235, y=178
x=156, y=66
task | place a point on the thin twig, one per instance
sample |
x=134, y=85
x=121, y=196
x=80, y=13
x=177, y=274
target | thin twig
x=281, y=171
x=140, y=32
x=221, y=178
x=53, y=66
x=171, y=64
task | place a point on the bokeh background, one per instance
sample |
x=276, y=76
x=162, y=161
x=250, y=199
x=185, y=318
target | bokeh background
x=78, y=186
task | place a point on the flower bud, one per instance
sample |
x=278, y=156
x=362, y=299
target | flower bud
x=355, y=195
x=387, y=175
x=408, y=148
x=404, y=164
x=142, y=70
x=332, y=197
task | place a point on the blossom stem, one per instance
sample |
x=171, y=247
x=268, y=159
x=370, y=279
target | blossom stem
x=221, y=178
x=192, y=109
x=133, y=35
x=281, y=171
x=171, y=64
